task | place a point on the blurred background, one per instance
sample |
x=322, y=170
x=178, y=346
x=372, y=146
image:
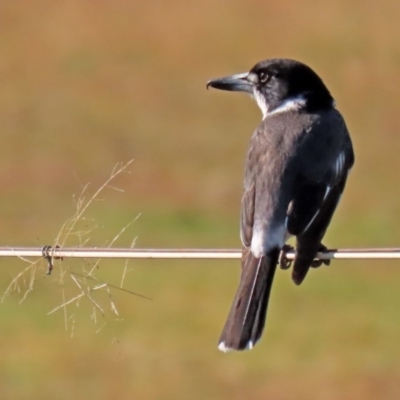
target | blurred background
x=88, y=84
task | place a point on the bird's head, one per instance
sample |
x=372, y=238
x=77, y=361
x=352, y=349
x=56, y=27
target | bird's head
x=276, y=83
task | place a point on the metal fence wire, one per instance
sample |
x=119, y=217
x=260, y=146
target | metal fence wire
x=128, y=253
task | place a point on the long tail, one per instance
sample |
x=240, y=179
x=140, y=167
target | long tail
x=246, y=318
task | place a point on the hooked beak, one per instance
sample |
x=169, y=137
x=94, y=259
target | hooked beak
x=235, y=83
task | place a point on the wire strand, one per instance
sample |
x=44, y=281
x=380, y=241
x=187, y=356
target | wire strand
x=127, y=253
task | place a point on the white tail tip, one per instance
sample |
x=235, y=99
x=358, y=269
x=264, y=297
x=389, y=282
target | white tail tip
x=222, y=347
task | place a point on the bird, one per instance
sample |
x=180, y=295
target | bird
x=298, y=161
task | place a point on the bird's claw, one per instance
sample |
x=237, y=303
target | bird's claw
x=317, y=263
x=283, y=262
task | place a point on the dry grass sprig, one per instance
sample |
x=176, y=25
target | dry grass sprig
x=86, y=282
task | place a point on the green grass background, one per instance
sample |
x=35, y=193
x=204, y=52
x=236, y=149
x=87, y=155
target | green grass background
x=87, y=84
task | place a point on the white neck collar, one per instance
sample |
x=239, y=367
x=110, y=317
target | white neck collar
x=290, y=104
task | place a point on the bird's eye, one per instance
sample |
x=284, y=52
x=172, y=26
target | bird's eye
x=263, y=77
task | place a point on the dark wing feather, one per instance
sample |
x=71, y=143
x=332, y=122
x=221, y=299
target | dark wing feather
x=309, y=242
x=307, y=200
x=321, y=177
x=247, y=214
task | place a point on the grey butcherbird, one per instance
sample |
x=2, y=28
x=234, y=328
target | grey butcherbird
x=296, y=169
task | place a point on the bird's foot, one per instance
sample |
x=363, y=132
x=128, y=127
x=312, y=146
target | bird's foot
x=283, y=262
x=317, y=263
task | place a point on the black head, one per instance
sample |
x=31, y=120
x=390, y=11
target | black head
x=276, y=81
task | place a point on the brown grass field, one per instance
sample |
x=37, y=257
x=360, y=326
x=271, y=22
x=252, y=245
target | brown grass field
x=88, y=84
